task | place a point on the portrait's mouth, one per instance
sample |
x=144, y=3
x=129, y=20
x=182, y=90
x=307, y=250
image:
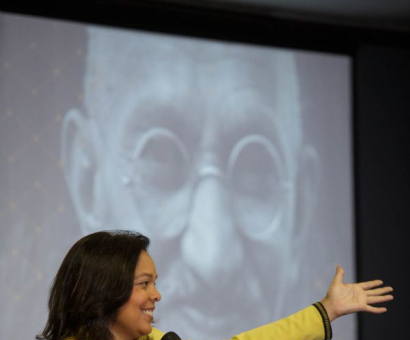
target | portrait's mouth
x=204, y=310
x=215, y=321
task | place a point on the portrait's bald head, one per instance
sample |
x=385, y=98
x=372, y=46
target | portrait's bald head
x=199, y=146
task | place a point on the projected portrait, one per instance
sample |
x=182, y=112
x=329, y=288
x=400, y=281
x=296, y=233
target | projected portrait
x=198, y=145
x=235, y=159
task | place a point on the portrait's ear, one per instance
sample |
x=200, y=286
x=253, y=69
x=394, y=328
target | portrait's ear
x=307, y=190
x=307, y=184
x=81, y=172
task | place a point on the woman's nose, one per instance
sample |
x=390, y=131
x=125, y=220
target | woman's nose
x=156, y=296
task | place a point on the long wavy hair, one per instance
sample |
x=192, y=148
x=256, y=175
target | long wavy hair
x=94, y=280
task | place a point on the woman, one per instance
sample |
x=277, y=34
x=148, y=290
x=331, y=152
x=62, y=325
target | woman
x=105, y=290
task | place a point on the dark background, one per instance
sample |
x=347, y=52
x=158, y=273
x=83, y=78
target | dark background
x=381, y=76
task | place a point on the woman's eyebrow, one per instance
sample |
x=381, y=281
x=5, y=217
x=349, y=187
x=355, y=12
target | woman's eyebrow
x=145, y=275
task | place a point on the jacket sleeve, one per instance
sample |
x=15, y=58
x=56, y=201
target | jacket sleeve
x=310, y=323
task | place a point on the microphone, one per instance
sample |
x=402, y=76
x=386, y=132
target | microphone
x=170, y=336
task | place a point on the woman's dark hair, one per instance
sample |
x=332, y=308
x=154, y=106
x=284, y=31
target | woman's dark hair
x=95, y=279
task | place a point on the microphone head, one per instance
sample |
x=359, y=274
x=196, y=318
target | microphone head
x=170, y=336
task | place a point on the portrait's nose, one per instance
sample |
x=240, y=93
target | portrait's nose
x=210, y=245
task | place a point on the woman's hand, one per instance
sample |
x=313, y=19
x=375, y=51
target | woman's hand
x=342, y=298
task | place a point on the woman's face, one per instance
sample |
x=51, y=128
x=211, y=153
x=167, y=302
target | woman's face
x=136, y=315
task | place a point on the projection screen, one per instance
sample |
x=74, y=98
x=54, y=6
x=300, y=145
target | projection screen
x=235, y=159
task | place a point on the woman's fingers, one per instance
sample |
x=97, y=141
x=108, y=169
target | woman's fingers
x=370, y=284
x=375, y=310
x=378, y=299
x=379, y=291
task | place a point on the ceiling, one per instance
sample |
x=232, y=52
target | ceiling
x=384, y=14
x=391, y=15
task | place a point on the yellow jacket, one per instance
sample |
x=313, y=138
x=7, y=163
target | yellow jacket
x=310, y=323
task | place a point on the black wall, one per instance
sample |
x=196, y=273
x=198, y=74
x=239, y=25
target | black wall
x=382, y=135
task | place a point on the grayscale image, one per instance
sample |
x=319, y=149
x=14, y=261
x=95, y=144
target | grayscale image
x=234, y=159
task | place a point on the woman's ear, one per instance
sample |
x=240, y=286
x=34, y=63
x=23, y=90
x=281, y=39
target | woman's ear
x=83, y=178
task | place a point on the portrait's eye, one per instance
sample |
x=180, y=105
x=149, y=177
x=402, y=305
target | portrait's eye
x=161, y=161
x=255, y=171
